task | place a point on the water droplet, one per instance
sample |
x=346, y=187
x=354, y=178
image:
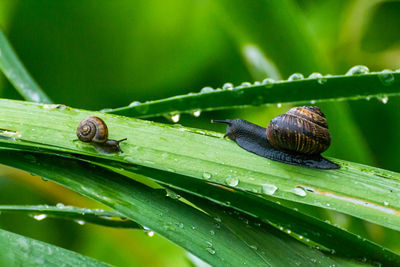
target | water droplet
x=257, y=83
x=385, y=203
x=232, y=181
x=207, y=175
x=80, y=222
x=315, y=75
x=295, y=77
x=104, y=110
x=386, y=77
x=134, y=103
x=212, y=232
x=268, y=82
x=383, y=99
x=269, y=189
x=245, y=84
x=206, y=89
x=328, y=205
x=60, y=206
x=150, y=233
x=279, y=105
x=318, y=76
x=227, y=86
x=173, y=116
x=196, y=113
x=211, y=251
x=172, y=194
x=312, y=102
x=357, y=70
x=299, y=192
x=40, y=217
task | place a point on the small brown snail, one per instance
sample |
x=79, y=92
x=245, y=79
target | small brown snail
x=94, y=130
x=297, y=137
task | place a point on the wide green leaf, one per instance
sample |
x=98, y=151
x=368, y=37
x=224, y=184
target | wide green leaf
x=207, y=157
x=17, y=250
x=186, y=226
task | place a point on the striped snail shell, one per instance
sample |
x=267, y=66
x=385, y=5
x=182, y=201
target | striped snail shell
x=94, y=130
x=301, y=130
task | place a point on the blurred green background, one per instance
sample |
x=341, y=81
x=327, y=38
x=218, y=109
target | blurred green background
x=103, y=54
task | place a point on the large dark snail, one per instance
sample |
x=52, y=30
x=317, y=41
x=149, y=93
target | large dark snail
x=94, y=130
x=297, y=137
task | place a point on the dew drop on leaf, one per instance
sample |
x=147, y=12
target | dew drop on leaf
x=386, y=77
x=296, y=77
x=268, y=82
x=207, y=175
x=299, y=192
x=211, y=251
x=227, y=86
x=196, y=113
x=134, y=103
x=357, y=70
x=232, y=181
x=40, y=217
x=269, y=189
x=383, y=99
x=206, y=89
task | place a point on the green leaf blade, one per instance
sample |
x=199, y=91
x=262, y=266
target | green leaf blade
x=305, y=91
x=17, y=250
x=18, y=76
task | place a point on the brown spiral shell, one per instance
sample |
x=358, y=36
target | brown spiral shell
x=302, y=130
x=92, y=129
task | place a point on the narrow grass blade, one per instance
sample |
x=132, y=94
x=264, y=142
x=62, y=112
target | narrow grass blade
x=305, y=91
x=18, y=76
x=186, y=226
x=17, y=250
x=80, y=215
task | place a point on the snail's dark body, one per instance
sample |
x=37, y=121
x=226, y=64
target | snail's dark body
x=253, y=138
x=94, y=130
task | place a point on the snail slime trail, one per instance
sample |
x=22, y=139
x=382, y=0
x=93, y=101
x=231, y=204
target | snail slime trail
x=297, y=137
x=94, y=130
